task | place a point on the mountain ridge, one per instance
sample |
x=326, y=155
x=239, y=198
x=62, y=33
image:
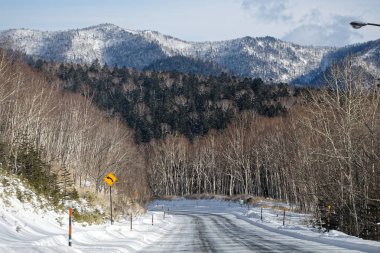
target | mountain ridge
x=266, y=57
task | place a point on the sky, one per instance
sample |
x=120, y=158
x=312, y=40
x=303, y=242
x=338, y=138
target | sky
x=305, y=22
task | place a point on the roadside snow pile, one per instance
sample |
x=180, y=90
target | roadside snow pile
x=29, y=224
x=14, y=195
x=19, y=205
x=17, y=198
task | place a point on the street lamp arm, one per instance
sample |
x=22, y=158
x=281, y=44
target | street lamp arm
x=358, y=24
x=373, y=24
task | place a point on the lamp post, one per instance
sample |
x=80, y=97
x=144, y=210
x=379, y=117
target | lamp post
x=358, y=24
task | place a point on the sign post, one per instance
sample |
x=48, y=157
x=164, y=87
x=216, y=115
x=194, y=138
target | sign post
x=111, y=203
x=110, y=179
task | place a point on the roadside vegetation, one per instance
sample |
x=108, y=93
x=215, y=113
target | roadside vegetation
x=312, y=148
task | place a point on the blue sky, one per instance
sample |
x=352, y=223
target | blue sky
x=306, y=22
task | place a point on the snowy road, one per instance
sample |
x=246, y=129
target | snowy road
x=190, y=226
x=206, y=232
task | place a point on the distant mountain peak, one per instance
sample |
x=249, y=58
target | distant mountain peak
x=105, y=27
x=265, y=57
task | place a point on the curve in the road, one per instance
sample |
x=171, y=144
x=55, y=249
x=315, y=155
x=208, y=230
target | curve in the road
x=210, y=232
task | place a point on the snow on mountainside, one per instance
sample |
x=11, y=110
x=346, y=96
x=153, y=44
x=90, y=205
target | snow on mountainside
x=171, y=46
x=365, y=55
x=369, y=58
x=107, y=43
x=267, y=57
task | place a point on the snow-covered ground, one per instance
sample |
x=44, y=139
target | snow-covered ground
x=188, y=225
x=30, y=225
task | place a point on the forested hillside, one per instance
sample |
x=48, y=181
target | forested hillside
x=201, y=135
x=187, y=65
x=155, y=104
x=239, y=140
x=59, y=141
x=324, y=152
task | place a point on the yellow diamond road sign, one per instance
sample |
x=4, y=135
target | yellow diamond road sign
x=110, y=179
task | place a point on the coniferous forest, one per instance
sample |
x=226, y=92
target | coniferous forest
x=168, y=133
x=155, y=104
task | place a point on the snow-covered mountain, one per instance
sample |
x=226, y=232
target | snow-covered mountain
x=266, y=57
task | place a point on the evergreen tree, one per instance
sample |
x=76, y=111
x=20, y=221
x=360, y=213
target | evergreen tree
x=65, y=181
x=29, y=164
x=95, y=66
x=189, y=104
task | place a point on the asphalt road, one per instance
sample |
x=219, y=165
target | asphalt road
x=207, y=232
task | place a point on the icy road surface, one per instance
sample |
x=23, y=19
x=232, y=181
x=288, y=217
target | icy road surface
x=190, y=226
x=207, y=232
x=225, y=233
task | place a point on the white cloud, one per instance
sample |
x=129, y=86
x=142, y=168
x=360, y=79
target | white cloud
x=337, y=32
x=268, y=10
x=322, y=22
x=313, y=16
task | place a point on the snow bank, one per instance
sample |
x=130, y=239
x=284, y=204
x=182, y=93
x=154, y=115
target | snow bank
x=29, y=224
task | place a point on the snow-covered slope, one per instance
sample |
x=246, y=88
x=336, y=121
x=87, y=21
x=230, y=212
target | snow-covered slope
x=266, y=57
x=107, y=43
x=365, y=55
x=27, y=224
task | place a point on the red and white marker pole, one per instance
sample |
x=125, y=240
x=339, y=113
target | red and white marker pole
x=70, y=229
